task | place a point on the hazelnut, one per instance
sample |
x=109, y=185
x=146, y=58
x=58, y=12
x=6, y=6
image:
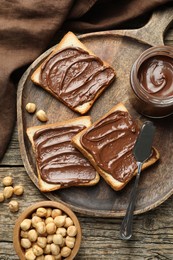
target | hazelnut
x=41, y=228
x=18, y=190
x=13, y=206
x=29, y=255
x=42, y=241
x=56, y=212
x=48, y=220
x=49, y=257
x=59, y=221
x=62, y=231
x=24, y=234
x=30, y=108
x=65, y=251
x=7, y=181
x=47, y=249
x=41, y=257
x=25, y=224
x=1, y=197
x=70, y=241
x=25, y=243
x=72, y=231
x=55, y=249
x=8, y=192
x=32, y=235
x=41, y=212
x=41, y=115
x=57, y=239
x=58, y=257
x=35, y=220
x=68, y=222
x=49, y=239
x=51, y=228
x=49, y=212
x=37, y=250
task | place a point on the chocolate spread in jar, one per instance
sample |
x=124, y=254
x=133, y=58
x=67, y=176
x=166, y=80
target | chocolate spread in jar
x=110, y=142
x=75, y=76
x=58, y=160
x=156, y=76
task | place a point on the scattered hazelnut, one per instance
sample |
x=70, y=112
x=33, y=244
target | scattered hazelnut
x=7, y=181
x=32, y=235
x=1, y=197
x=72, y=231
x=25, y=243
x=37, y=250
x=41, y=115
x=13, y=206
x=8, y=192
x=30, y=108
x=29, y=255
x=41, y=212
x=51, y=228
x=25, y=224
x=18, y=190
x=65, y=251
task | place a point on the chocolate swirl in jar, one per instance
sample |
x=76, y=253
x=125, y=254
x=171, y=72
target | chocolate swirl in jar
x=58, y=160
x=152, y=82
x=110, y=141
x=75, y=76
x=156, y=76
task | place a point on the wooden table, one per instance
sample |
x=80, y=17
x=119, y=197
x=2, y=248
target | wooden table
x=152, y=231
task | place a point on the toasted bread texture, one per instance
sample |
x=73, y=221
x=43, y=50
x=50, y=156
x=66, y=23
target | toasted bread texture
x=62, y=165
x=119, y=176
x=74, y=74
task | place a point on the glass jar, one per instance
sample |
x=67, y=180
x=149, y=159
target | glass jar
x=151, y=82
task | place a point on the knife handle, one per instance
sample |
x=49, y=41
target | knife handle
x=126, y=226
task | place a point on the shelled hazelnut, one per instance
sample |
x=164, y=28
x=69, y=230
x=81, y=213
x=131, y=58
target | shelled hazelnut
x=8, y=192
x=18, y=190
x=13, y=206
x=2, y=197
x=41, y=115
x=30, y=108
x=7, y=181
x=48, y=234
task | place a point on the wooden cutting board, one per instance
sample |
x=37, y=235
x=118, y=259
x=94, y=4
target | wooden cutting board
x=120, y=49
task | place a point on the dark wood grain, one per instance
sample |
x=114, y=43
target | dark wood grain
x=120, y=49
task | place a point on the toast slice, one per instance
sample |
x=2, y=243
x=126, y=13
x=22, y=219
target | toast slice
x=59, y=164
x=73, y=74
x=108, y=144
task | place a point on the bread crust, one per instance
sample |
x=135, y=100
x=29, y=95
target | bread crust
x=47, y=187
x=115, y=184
x=69, y=40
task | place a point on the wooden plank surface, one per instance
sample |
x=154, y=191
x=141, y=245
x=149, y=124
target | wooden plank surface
x=152, y=232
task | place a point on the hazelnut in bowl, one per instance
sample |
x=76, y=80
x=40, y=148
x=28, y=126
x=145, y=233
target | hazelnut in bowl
x=151, y=81
x=47, y=230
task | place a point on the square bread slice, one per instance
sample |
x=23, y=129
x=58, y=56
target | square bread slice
x=59, y=164
x=73, y=74
x=108, y=144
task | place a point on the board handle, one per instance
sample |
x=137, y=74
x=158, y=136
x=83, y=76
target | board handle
x=153, y=32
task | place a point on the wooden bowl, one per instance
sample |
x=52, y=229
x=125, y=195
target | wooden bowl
x=27, y=214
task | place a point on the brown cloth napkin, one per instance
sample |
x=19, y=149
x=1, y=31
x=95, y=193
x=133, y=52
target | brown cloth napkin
x=27, y=28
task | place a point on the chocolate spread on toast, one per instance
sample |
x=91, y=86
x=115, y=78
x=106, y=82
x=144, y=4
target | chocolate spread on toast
x=58, y=160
